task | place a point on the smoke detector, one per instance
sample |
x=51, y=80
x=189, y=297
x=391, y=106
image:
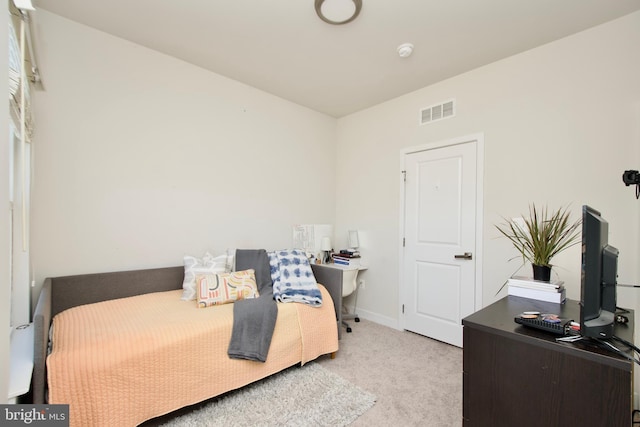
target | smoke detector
x=405, y=50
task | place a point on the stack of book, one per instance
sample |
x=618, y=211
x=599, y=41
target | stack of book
x=346, y=258
x=526, y=287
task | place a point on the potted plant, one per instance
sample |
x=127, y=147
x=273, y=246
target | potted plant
x=542, y=236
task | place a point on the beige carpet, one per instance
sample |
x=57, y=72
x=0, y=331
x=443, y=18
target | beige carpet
x=417, y=380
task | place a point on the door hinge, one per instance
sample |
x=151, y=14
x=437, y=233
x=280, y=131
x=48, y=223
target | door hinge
x=404, y=241
x=402, y=308
x=404, y=175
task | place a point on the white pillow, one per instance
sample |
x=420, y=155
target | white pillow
x=208, y=264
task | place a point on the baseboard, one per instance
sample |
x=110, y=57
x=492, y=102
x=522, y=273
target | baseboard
x=377, y=318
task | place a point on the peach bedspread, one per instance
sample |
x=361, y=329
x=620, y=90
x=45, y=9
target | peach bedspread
x=121, y=362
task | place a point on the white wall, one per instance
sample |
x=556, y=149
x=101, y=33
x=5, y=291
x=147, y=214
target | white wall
x=141, y=158
x=560, y=125
x=5, y=279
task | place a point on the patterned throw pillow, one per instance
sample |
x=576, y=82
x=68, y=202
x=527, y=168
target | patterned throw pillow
x=215, y=289
x=207, y=264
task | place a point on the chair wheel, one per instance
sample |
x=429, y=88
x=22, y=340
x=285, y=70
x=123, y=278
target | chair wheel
x=348, y=329
x=357, y=319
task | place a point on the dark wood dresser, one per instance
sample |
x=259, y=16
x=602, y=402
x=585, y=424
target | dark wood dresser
x=519, y=376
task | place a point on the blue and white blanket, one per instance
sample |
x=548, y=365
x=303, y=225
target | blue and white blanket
x=293, y=279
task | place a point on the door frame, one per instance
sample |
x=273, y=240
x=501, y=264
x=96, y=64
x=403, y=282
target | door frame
x=477, y=251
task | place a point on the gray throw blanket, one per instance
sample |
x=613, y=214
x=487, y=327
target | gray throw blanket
x=254, y=319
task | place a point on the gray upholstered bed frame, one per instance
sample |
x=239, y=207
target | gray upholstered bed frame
x=60, y=293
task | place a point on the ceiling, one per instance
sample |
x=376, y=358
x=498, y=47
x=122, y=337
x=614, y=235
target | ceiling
x=283, y=48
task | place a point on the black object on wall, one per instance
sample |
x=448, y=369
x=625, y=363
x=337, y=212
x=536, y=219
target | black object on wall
x=632, y=177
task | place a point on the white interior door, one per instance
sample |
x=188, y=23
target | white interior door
x=439, y=271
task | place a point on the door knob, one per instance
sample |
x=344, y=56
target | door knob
x=466, y=255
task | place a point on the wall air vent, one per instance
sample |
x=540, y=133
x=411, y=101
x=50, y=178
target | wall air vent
x=438, y=112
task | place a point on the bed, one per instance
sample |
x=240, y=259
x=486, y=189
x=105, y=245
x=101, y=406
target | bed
x=126, y=349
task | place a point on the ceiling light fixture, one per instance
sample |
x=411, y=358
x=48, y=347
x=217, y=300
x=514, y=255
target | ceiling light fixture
x=405, y=50
x=338, y=12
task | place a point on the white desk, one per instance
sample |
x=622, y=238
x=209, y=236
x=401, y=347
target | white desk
x=345, y=267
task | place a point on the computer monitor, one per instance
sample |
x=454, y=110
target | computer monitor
x=598, y=277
